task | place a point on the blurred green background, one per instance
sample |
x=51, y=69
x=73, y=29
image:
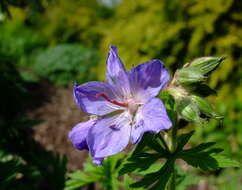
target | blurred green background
x=46, y=45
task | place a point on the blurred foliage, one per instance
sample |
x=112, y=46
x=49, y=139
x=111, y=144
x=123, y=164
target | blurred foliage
x=60, y=41
x=229, y=179
x=19, y=42
x=64, y=63
x=78, y=24
x=175, y=32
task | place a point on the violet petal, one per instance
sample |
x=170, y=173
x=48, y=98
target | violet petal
x=86, y=97
x=78, y=134
x=152, y=117
x=146, y=80
x=97, y=161
x=116, y=74
x=109, y=135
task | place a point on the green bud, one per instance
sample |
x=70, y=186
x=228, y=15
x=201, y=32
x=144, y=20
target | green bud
x=205, y=107
x=189, y=75
x=188, y=111
x=206, y=64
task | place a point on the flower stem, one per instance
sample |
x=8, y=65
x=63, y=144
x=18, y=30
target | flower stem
x=172, y=184
x=174, y=139
x=164, y=143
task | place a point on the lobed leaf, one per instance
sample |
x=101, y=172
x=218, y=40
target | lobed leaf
x=200, y=147
x=182, y=140
x=224, y=162
x=204, y=158
x=140, y=160
x=201, y=160
x=156, y=180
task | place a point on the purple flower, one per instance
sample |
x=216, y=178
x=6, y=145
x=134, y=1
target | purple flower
x=125, y=107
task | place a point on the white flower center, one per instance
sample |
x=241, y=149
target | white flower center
x=133, y=106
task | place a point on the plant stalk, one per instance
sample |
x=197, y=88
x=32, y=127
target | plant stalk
x=174, y=139
x=172, y=184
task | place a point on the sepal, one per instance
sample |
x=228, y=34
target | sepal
x=189, y=75
x=189, y=111
x=206, y=64
x=205, y=107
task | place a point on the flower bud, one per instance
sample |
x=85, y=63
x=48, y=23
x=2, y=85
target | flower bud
x=197, y=70
x=205, y=107
x=188, y=111
x=189, y=75
x=187, y=82
x=206, y=64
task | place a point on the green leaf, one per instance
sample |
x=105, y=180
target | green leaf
x=204, y=158
x=224, y=162
x=140, y=162
x=157, y=180
x=149, y=141
x=153, y=168
x=201, y=156
x=209, y=160
x=169, y=102
x=200, y=147
x=107, y=174
x=167, y=99
x=182, y=140
x=79, y=179
x=200, y=160
x=127, y=182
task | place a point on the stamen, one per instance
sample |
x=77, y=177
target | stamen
x=110, y=100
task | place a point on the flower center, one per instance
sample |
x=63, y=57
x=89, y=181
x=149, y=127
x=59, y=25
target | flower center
x=111, y=100
x=132, y=106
